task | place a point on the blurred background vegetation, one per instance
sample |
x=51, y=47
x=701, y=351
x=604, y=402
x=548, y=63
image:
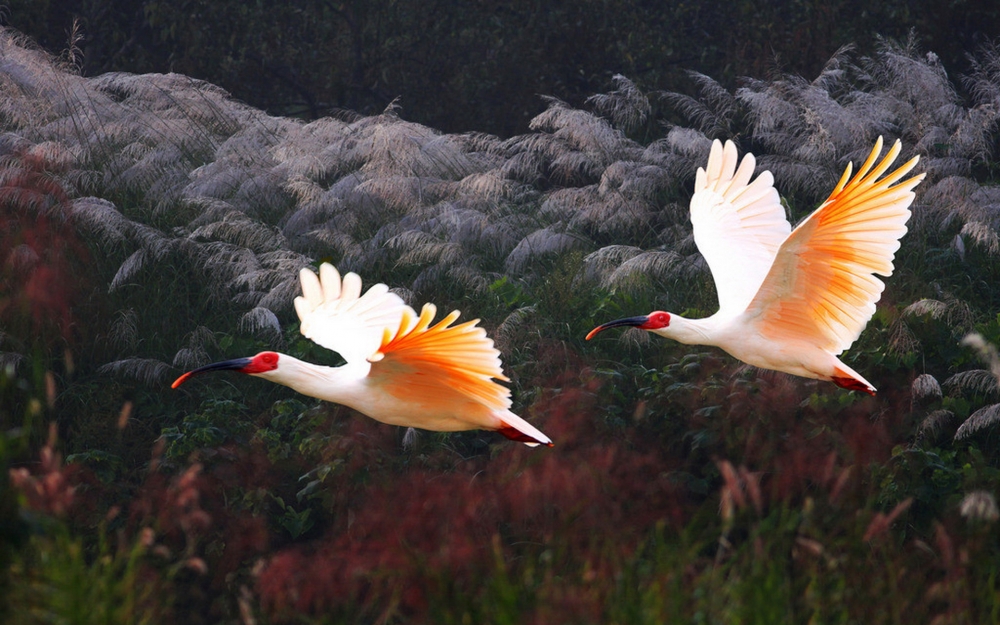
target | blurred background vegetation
x=151, y=222
x=477, y=66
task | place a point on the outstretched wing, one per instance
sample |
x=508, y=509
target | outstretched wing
x=821, y=288
x=431, y=364
x=333, y=313
x=738, y=225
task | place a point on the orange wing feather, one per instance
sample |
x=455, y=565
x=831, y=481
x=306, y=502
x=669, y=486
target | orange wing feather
x=820, y=288
x=431, y=363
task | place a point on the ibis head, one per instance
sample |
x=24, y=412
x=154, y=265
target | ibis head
x=261, y=363
x=652, y=321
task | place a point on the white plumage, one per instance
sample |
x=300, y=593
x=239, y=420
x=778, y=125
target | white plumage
x=400, y=369
x=791, y=300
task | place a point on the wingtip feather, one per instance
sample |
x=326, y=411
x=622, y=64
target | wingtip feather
x=311, y=289
x=329, y=279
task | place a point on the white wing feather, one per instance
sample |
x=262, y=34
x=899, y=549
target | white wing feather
x=333, y=313
x=738, y=225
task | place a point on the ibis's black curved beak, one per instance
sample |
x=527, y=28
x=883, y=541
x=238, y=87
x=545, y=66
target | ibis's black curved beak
x=628, y=321
x=236, y=364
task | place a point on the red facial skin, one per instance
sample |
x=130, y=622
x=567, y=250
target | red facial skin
x=262, y=362
x=657, y=320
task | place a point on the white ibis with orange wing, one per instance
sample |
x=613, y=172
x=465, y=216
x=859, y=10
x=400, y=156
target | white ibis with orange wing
x=791, y=300
x=400, y=369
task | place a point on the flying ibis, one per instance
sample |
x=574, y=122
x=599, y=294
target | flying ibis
x=791, y=300
x=400, y=369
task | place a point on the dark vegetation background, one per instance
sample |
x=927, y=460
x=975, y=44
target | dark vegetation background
x=479, y=66
x=151, y=222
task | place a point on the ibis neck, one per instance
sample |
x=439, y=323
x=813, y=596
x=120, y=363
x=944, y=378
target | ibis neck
x=334, y=384
x=690, y=331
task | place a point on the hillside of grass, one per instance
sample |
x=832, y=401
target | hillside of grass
x=150, y=224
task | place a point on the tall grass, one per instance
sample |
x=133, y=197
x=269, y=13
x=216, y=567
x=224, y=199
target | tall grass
x=151, y=224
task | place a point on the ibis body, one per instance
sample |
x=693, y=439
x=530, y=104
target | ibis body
x=400, y=369
x=791, y=300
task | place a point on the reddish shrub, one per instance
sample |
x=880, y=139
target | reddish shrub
x=42, y=255
x=590, y=498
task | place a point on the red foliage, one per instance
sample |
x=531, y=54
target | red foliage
x=50, y=489
x=189, y=510
x=39, y=269
x=425, y=530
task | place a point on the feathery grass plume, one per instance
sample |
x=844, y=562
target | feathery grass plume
x=187, y=358
x=240, y=230
x=956, y=200
x=510, y=334
x=936, y=428
x=917, y=90
x=527, y=167
x=269, y=277
x=980, y=421
x=645, y=270
x=147, y=371
x=281, y=295
x=634, y=180
x=459, y=225
x=627, y=107
x=540, y=244
x=201, y=338
x=918, y=82
x=561, y=205
x=903, y=340
x=599, y=264
x=948, y=201
x=712, y=112
x=810, y=127
x=818, y=125
x=26, y=73
x=980, y=382
x=984, y=79
x=261, y=322
x=582, y=131
x=956, y=313
x=199, y=341
x=310, y=151
x=471, y=279
x=979, y=505
x=983, y=235
x=124, y=332
x=322, y=241
x=11, y=362
x=311, y=214
x=576, y=145
x=574, y=168
x=492, y=186
x=422, y=248
x=679, y=154
x=935, y=308
x=392, y=197
x=101, y=218
x=636, y=338
x=986, y=351
x=389, y=146
x=924, y=390
x=163, y=126
x=614, y=217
